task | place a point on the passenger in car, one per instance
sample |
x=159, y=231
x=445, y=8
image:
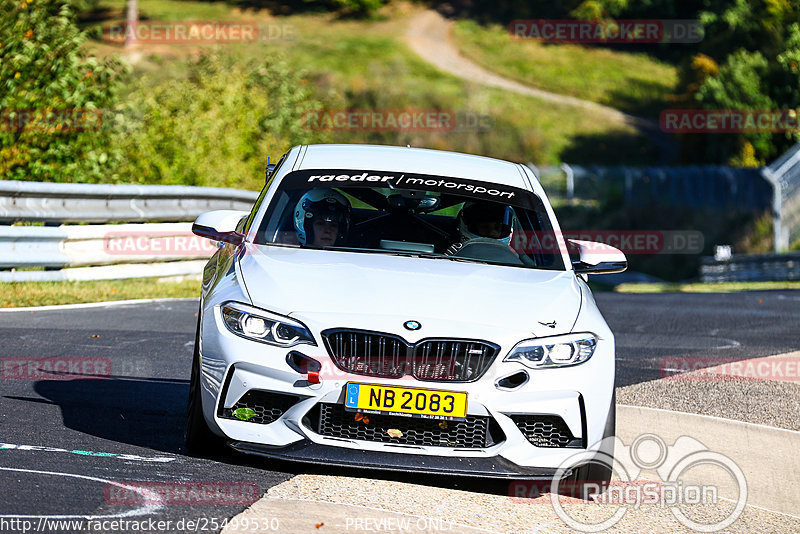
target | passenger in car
x=322, y=218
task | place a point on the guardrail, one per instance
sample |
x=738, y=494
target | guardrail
x=751, y=268
x=774, y=188
x=106, y=251
x=38, y=201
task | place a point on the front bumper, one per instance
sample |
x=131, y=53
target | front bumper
x=233, y=366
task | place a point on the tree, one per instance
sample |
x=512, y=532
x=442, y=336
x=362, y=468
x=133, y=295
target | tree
x=759, y=43
x=740, y=84
x=216, y=126
x=747, y=61
x=54, y=100
x=357, y=8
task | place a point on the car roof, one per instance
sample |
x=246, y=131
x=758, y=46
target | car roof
x=413, y=161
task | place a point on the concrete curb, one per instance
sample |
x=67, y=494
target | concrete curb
x=319, y=503
x=300, y=515
x=766, y=455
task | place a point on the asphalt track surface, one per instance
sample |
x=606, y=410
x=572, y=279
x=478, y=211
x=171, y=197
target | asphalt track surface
x=128, y=426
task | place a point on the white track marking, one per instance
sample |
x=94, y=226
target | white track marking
x=84, y=305
x=710, y=417
x=761, y=508
x=90, y=454
x=151, y=497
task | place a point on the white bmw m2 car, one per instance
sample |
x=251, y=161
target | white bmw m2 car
x=403, y=309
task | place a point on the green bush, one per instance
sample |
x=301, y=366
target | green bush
x=357, y=8
x=216, y=126
x=47, y=81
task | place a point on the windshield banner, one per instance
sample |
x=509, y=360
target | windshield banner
x=341, y=178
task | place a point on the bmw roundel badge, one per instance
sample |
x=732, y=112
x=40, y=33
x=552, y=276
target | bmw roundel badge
x=412, y=325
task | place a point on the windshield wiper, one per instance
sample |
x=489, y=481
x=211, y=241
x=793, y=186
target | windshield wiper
x=406, y=253
x=451, y=258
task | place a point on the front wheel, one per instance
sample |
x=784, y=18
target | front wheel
x=198, y=437
x=596, y=473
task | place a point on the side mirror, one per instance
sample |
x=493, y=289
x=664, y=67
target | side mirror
x=597, y=258
x=220, y=225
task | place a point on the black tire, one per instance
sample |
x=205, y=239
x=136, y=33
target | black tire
x=198, y=437
x=597, y=473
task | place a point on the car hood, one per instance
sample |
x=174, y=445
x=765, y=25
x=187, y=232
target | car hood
x=376, y=291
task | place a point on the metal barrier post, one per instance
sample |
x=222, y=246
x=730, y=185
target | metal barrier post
x=780, y=238
x=570, y=181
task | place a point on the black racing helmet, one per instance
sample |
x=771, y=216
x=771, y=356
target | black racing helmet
x=485, y=220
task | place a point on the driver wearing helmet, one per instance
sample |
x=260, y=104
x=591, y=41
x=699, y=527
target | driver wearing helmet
x=322, y=218
x=482, y=221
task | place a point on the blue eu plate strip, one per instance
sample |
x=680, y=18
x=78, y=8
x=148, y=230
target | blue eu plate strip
x=352, y=396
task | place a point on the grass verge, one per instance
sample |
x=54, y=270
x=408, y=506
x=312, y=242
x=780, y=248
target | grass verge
x=161, y=10
x=631, y=82
x=723, y=287
x=20, y=294
x=365, y=65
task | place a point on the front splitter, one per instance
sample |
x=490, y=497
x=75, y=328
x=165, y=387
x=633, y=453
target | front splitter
x=313, y=453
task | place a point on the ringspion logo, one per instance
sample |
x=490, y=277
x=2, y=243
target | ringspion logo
x=675, y=487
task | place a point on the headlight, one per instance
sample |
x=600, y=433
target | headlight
x=556, y=351
x=266, y=327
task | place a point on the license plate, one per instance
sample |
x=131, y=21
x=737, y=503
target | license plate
x=406, y=402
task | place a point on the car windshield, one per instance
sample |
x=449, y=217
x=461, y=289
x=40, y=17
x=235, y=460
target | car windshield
x=416, y=215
